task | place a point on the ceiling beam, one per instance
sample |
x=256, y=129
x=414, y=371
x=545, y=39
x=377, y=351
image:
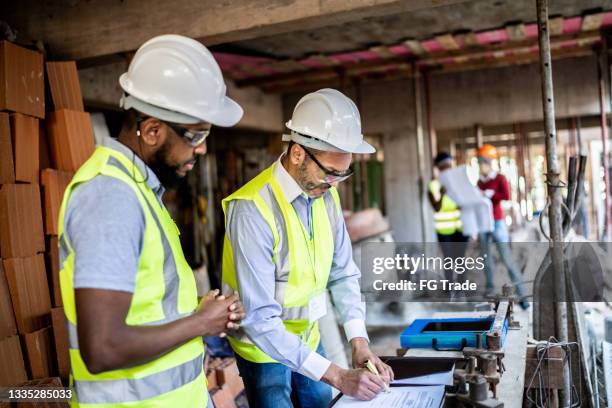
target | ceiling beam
x=477, y=64
x=468, y=57
x=317, y=73
x=89, y=29
x=482, y=51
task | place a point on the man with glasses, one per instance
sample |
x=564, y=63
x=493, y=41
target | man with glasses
x=286, y=244
x=135, y=323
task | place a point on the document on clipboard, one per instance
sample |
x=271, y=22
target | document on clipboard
x=428, y=396
x=441, y=378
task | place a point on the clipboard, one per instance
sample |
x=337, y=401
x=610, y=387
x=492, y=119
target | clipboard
x=409, y=367
x=335, y=400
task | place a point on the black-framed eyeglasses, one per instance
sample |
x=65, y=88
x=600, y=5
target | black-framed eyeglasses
x=331, y=176
x=193, y=137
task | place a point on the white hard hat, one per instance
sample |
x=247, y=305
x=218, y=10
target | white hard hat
x=175, y=78
x=327, y=120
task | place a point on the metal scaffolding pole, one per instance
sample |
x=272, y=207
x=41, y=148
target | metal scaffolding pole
x=554, y=189
x=601, y=72
x=478, y=133
x=431, y=131
x=418, y=123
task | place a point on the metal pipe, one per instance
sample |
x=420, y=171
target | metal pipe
x=572, y=180
x=580, y=184
x=573, y=144
x=433, y=139
x=479, y=135
x=603, y=122
x=554, y=188
x=418, y=123
x=520, y=160
x=526, y=165
x=579, y=136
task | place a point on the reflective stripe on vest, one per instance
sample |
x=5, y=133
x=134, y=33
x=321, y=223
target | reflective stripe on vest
x=290, y=246
x=448, y=220
x=145, y=388
x=165, y=291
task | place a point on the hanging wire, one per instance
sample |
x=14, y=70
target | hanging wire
x=544, y=211
x=146, y=177
x=542, y=397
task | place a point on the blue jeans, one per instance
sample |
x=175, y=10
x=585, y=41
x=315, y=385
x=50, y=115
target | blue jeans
x=274, y=385
x=502, y=241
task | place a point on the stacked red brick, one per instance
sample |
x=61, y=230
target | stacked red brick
x=33, y=336
x=224, y=382
x=71, y=142
x=25, y=320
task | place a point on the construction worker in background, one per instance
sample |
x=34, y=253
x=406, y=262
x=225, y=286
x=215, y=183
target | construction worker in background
x=135, y=325
x=447, y=215
x=495, y=187
x=286, y=243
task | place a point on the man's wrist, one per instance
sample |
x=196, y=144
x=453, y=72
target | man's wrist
x=333, y=375
x=195, y=326
x=358, y=342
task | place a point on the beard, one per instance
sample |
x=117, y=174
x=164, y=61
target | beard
x=306, y=184
x=167, y=174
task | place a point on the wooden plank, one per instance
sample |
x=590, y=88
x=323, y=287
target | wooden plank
x=555, y=26
x=447, y=41
x=507, y=54
x=468, y=39
x=592, y=22
x=415, y=46
x=512, y=60
x=88, y=29
x=513, y=379
x=323, y=79
x=551, y=368
x=289, y=65
x=516, y=32
x=318, y=72
x=382, y=51
x=483, y=51
x=324, y=60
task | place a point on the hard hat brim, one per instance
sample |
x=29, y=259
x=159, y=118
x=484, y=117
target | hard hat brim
x=364, y=148
x=228, y=115
x=326, y=146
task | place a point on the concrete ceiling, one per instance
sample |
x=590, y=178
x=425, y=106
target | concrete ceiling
x=473, y=15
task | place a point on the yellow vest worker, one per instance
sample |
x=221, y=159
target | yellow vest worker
x=286, y=243
x=165, y=290
x=129, y=295
x=447, y=220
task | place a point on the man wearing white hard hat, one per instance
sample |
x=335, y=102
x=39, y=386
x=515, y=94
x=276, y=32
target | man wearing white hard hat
x=286, y=243
x=135, y=325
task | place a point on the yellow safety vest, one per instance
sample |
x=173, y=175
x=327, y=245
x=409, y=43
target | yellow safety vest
x=302, y=263
x=165, y=291
x=447, y=221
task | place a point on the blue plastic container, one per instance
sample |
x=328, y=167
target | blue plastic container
x=448, y=334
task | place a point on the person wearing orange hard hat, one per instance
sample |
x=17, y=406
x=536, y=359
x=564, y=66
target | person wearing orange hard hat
x=496, y=188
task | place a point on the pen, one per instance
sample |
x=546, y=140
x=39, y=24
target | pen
x=374, y=371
